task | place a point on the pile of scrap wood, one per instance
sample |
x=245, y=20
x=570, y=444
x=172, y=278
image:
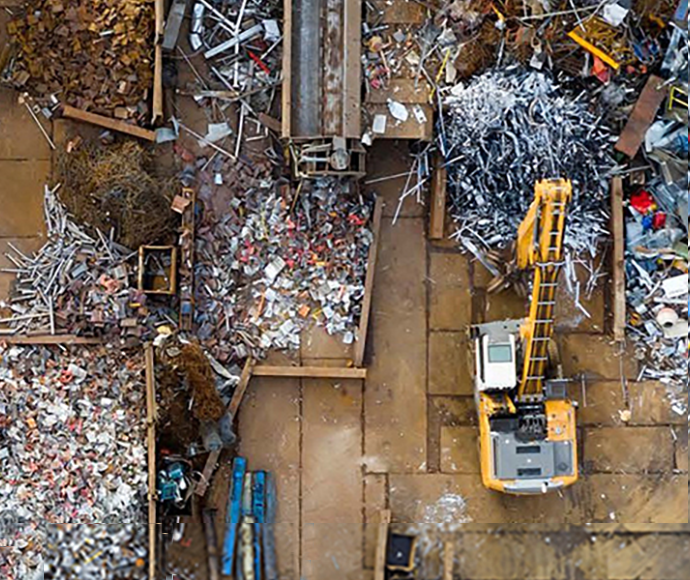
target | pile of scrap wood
x=96, y=55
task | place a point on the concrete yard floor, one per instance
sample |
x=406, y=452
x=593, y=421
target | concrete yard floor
x=405, y=438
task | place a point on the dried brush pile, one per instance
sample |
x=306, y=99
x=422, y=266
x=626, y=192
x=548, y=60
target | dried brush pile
x=115, y=188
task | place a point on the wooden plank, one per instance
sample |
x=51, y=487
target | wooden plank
x=241, y=387
x=438, y=201
x=51, y=339
x=207, y=473
x=448, y=560
x=108, y=123
x=382, y=545
x=618, y=228
x=157, y=105
x=273, y=124
x=151, y=444
x=642, y=117
x=362, y=331
x=310, y=372
x=286, y=112
x=352, y=65
x=212, y=552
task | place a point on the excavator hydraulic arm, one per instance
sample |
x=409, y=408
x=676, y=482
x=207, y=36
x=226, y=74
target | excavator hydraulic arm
x=540, y=245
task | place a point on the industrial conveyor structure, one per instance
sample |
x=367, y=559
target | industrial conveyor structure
x=322, y=87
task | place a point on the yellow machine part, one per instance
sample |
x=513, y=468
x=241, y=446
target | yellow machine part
x=540, y=244
x=562, y=426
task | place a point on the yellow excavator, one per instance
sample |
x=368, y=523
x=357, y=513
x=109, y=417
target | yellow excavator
x=528, y=437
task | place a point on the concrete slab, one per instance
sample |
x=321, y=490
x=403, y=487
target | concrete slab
x=387, y=158
x=649, y=557
x=317, y=343
x=20, y=138
x=395, y=394
x=26, y=246
x=629, y=449
x=513, y=554
x=481, y=277
x=375, y=500
x=600, y=404
x=450, y=307
x=270, y=431
x=505, y=306
x=456, y=499
x=636, y=498
x=332, y=487
x=454, y=411
x=21, y=198
x=681, y=448
x=449, y=269
x=650, y=404
x=450, y=364
x=460, y=450
x=569, y=318
x=597, y=357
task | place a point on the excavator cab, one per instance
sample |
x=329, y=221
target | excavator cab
x=528, y=436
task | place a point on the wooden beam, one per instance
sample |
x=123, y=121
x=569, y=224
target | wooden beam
x=363, y=330
x=286, y=104
x=108, y=123
x=382, y=545
x=437, y=222
x=151, y=443
x=212, y=552
x=448, y=559
x=241, y=387
x=310, y=372
x=207, y=474
x=642, y=117
x=157, y=104
x=618, y=229
x=48, y=339
x=271, y=123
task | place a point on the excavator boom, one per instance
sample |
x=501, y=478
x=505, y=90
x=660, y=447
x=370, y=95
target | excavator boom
x=540, y=245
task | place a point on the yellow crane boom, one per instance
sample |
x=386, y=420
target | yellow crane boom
x=540, y=245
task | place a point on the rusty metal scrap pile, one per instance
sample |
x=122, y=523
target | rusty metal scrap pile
x=85, y=551
x=93, y=54
x=75, y=283
x=276, y=263
x=503, y=131
x=71, y=448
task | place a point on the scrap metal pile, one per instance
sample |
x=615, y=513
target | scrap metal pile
x=657, y=241
x=71, y=433
x=95, y=55
x=279, y=260
x=241, y=47
x=76, y=283
x=505, y=130
x=116, y=551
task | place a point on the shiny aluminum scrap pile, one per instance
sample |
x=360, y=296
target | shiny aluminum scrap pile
x=74, y=283
x=72, y=435
x=268, y=269
x=503, y=131
x=95, y=552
